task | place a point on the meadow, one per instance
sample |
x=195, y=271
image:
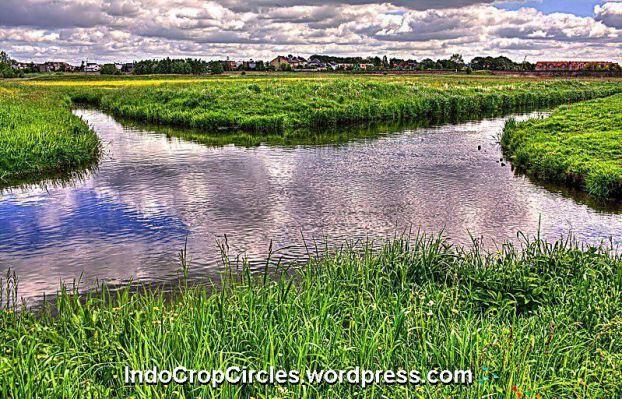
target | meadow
x=280, y=105
x=540, y=320
x=39, y=136
x=578, y=145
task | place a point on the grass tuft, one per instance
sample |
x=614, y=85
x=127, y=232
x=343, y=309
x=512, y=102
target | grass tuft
x=543, y=318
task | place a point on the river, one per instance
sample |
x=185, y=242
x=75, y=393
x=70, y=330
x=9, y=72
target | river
x=129, y=218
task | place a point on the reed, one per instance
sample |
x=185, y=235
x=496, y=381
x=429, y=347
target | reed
x=268, y=106
x=40, y=137
x=578, y=145
x=539, y=320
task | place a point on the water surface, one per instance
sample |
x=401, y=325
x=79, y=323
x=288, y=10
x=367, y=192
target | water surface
x=128, y=219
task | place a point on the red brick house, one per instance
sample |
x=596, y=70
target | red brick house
x=573, y=65
x=293, y=61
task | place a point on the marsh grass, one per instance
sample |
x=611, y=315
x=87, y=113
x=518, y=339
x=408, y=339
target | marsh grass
x=579, y=145
x=271, y=106
x=40, y=137
x=539, y=320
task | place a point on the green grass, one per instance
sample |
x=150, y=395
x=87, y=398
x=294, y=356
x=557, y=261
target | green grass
x=40, y=137
x=269, y=105
x=543, y=320
x=580, y=145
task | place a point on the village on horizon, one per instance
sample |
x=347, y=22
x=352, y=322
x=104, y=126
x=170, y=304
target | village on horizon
x=318, y=63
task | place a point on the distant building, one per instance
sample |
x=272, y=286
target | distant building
x=314, y=63
x=573, y=65
x=20, y=66
x=366, y=66
x=292, y=61
x=51, y=66
x=249, y=65
x=408, y=65
x=92, y=67
x=229, y=65
x=345, y=66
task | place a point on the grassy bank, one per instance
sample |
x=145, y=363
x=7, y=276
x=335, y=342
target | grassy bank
x=580, y=145
x=541, y=321
x=39, y=136
x=270, y=105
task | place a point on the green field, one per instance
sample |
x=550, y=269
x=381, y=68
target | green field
x=540, y=321
x=580, y=145
x=40, y=137
x=272, y=105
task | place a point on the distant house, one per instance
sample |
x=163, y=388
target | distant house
x=229, y=65
x=20, y=66
x=92, y=67
x=366, y=66
x=405, y=65
x=573, y=65
x=249, y=65
x=293, y=61
x=52, y=66
x=314, y=63
x=345, y=66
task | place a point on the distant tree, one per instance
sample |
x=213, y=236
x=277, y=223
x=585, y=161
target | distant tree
x=457, y=62
x=4, y=58
x=285, y=67
x=6, y=70
x=109, y=69
x=215, y=67
x=494, y=64
x=171, y=66
x=427, y=64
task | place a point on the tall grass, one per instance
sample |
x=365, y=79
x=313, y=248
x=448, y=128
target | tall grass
x=542, y=320
x=278, y=105
x=580, y=145
x=39, y=136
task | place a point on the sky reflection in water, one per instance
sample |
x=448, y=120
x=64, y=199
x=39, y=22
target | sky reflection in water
x=129, y=218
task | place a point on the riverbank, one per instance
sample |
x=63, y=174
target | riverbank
x=40, y=137
x=541, y=321
x=578, y=145
x=263, y=106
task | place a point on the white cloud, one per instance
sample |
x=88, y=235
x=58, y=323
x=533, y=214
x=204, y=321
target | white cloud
x=610, y=14
x=108, y=30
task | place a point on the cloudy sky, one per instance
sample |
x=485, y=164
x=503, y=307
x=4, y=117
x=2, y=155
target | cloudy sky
x=124, y=30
